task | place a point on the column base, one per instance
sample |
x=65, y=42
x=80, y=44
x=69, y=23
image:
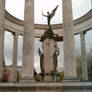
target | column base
x=84, y=80
x=70, y=79
x=27, y=80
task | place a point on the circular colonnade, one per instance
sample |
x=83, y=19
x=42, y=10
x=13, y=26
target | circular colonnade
x=16, y=26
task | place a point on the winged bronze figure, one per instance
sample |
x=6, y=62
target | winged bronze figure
x=50, y=16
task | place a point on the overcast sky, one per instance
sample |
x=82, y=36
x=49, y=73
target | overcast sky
x=16, y=8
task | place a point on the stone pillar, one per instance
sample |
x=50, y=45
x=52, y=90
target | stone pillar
x=28, y=43
x=69, y=48
x=84, y=57
x=2, y=14
x=15, y=54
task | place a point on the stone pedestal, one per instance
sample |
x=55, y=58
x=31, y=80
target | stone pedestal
x=49, y=50
x=50, y=53
x=2, y=31
x=28, y=43
x=69, y=48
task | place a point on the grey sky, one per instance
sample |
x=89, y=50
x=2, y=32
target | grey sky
x=16, y=8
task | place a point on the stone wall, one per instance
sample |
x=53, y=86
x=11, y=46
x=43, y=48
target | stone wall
x=46, y=87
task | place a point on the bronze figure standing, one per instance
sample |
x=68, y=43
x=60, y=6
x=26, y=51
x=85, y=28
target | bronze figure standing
x=50, y=15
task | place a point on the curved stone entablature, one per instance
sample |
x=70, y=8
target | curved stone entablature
x=13, y=24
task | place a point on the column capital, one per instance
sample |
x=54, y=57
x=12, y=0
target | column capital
x=15, y=34
x=83, y=32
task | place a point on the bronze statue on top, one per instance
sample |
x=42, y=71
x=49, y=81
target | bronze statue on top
x=50, y=15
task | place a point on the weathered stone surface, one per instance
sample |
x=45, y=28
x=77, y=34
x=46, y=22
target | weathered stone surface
x=49, y=57
x=69, y=50
x=15, y=54
x=2, y=15
x=47, y=78
x=84, y=57
x=28, y=41
x=48, y=51
x=46, y=87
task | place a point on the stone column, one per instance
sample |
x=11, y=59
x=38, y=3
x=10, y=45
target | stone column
x=69, y=48
x=2, y=14
x=15, y=54
x=28, y=43
x=84, y=57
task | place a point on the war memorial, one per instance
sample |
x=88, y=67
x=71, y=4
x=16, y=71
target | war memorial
x=49, y=36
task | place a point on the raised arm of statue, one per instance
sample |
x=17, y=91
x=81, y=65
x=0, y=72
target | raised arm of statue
x=52, y=13
x=44, y=15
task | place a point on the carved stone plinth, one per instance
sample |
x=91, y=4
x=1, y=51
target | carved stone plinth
x=47, y=78
x=48, y=59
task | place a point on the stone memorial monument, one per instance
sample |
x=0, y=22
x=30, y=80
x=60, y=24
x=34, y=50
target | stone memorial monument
x=48, y=59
